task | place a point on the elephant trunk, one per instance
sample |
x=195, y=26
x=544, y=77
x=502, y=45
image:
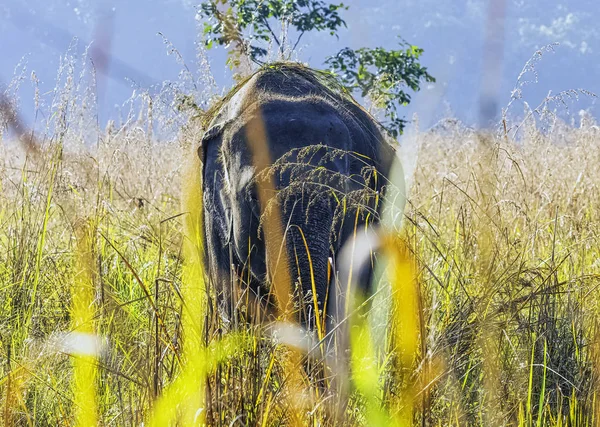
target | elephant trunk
x=308, y=221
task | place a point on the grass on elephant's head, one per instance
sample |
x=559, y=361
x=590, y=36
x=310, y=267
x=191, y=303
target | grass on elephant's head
x=102, y=317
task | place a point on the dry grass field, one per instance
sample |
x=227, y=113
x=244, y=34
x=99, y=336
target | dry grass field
x=104, y=318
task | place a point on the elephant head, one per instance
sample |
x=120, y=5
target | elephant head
x=291, y=170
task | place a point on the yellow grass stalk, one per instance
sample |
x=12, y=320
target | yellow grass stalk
x=277, y=264
x=406, y=331
x=406, y=324
x=365, y=374
x=183, y=402
x=85, y=350
x=14, y=383
x=277, y=260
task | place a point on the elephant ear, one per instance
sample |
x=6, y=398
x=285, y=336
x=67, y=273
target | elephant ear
x=213, y=132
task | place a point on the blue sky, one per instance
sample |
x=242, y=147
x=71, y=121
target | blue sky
x=451, y=32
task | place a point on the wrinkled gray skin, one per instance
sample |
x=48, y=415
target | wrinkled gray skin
x=297, y=111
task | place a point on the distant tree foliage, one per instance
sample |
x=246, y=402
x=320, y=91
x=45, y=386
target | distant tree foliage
x=247, y=28
x=383, y=75
x=250, y=20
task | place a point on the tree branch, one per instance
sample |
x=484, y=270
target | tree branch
x=271, y=31
x=298, y=41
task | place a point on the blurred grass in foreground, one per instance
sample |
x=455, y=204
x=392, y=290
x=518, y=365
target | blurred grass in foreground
x=494, y=300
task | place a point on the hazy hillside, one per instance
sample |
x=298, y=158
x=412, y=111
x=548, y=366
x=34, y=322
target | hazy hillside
x=450, y=32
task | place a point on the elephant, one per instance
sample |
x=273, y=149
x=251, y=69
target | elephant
x=292, y=168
